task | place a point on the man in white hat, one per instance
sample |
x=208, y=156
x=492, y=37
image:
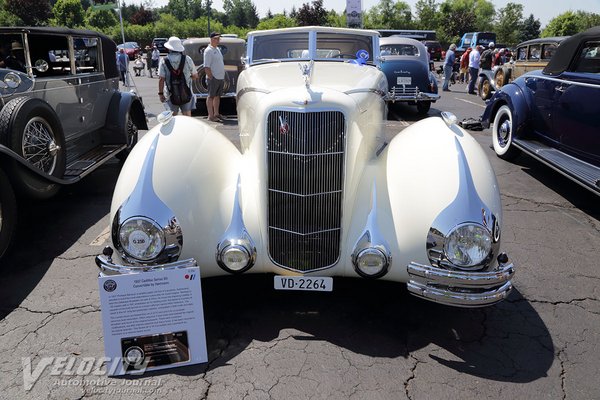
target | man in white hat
x=172, y=64
x=16, y=59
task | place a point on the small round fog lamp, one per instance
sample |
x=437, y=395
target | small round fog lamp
x=235, y=258
x=371, y=263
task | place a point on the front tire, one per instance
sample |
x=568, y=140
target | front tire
x=31, y=128
x=132, y=139
x=503, y=131
x=8, y=214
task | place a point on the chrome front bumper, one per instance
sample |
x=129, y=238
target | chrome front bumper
x=411, y=95
x=460, y=288
x=107, y=267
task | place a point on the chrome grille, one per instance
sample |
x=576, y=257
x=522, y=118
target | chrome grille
x=305, y=180
x=405, y=90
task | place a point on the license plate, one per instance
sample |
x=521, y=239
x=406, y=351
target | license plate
x=311, y=283
x=403, y=80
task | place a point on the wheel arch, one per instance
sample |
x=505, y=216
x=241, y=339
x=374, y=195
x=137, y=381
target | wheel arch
x=122, y=105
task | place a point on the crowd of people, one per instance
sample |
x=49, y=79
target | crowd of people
x=471, y=61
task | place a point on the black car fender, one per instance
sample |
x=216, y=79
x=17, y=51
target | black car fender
x=122, y=106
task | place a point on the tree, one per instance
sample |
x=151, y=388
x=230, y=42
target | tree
x=142, y=17
x=278, y=21
x=241, y=13
x=509, y=23
x=313, y=14
x=31, y=12
x=530, y=29
x=101, y=19
x=427, y=15
x=565, y=24
x=68, y=13
x=389, y=15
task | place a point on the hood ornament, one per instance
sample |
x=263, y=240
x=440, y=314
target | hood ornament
x=306, y=70
x=284, y=128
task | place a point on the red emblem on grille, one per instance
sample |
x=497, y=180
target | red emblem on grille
x=284, y=128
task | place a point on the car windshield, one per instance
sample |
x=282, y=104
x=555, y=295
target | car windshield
x=292, y=46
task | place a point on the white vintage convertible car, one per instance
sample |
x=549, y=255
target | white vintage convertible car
x=315, y=192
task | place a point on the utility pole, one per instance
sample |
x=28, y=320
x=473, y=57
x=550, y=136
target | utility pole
x=121, y=19
x=208, y=3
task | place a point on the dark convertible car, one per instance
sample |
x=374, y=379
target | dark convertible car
x=554, y=114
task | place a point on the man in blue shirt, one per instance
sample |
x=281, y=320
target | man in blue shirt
x=449, y=67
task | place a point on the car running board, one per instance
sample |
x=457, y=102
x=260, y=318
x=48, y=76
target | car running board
x=584, y=173
x=88, y=162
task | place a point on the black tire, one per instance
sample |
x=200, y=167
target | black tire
x=31, y=128
x=423, y=107
x=485, y=88
x=132, y=139
x=8, y=214
x=503, y=131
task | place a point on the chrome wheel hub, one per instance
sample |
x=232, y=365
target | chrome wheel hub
x=39, y=146
x=504, y=132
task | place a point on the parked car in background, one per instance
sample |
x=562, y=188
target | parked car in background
x=61, y=114
x=160, y=44
x=528, y=56
x=406, y=66
x=434, y=48
x=132, y=49
x=315, y=193
x=472, y=39
x=554, y=114
x=233, y=50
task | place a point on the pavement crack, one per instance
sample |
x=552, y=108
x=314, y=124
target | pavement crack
x=411, y=377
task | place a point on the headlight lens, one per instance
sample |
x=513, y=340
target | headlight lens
x=142, y=238
x=235, y=257
x=468, y=245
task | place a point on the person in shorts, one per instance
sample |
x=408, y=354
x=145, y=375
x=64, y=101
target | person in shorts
x=215, y=77
x=175, y=55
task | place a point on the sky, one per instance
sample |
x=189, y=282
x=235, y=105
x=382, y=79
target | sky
x=544, y=10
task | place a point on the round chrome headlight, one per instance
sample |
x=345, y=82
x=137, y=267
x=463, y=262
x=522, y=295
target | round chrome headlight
x=468, y=245
x=371, y=263
x=141, y=238
x=234, y=258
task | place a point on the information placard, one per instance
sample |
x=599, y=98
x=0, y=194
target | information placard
x=153, y=320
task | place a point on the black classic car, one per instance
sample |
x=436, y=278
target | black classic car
x=554, y=114
x=405, y=63
x=61, y=113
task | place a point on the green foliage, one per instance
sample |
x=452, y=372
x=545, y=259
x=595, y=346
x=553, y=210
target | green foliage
x=31, y=12
x=337, y=20
x=388, y=14
x=530, y=29
x=100, y=19
x=68, y=13
x=278, y=21
x=7, y=18
x=309, y=15
x=565, y=24
x=427, y=15
x=241, y=13
x=509, y=24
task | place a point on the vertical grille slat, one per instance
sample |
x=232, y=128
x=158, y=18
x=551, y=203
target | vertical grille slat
x=305, y=164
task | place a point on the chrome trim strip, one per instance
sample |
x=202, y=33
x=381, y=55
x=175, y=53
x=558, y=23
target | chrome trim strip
x=304, y=195
x=306, y=155
x=304, y=234
x=458, y=299
x=362, y=90
x=243, y=91
x=107, y=267
x=372, y=238
x=564, y=81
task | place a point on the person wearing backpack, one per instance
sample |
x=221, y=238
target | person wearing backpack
x=177, y=70
x=215, y=77
x=487, y=57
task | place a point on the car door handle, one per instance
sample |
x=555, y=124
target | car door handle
x=560, y=89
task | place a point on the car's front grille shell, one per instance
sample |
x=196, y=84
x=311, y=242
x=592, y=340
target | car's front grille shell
x=305, y=162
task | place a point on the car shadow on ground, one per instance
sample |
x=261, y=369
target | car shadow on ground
x=49, y=228
x=580, y=197
x=507, y=342
x=406, y=112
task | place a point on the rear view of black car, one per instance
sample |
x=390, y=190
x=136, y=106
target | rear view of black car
x=434, y=48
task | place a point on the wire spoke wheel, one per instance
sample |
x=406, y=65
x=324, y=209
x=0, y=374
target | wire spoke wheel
x=39, y=145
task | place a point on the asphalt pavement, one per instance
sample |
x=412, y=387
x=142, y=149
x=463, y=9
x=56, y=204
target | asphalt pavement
x=365, y=340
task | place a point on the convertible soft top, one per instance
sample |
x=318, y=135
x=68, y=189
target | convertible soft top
x=561, y=61
x=109, y=48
